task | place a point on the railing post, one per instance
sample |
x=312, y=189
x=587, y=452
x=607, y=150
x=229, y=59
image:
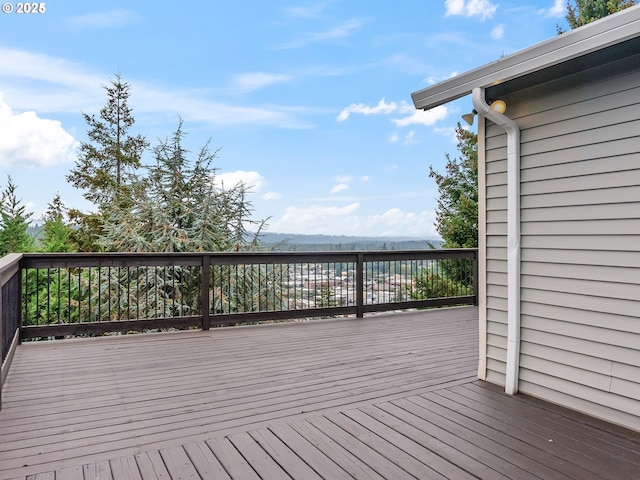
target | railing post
x=10, y=310
x=204, y=291
x=360, y=286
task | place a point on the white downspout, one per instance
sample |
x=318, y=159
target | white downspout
x=513, y=236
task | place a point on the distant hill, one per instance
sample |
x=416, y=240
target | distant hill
x=306, y=243
x=293, y=242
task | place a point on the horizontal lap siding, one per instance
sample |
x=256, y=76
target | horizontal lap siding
x=496, y=253
x=580, y=227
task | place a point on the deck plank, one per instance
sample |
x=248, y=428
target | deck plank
x=125, y=468
x=97, y=471
x=178, y=464
x=361, y=450
x=70, y=473
x=152, y=466
x=441, y=468
x=233, y=462
x=254, y=455
x=350, y=463
x=363, y=428
x=205, y=462
x=479, y=417
x=386, y=397
x=312, y=456
x=283, y=455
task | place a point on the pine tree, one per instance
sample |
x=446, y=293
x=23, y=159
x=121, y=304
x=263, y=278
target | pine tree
x=58, y=236
x=14, y=222
x=107, y=164
x=583, y=12
x=179, y=207
x=457, y=211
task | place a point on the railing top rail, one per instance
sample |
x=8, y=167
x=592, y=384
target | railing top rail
x=131, y=259
x=9, y=265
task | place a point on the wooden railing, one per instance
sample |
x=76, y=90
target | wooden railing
x=9, y=312
x=60, y=294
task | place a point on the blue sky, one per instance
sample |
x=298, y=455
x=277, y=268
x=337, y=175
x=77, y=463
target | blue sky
x=309, y=101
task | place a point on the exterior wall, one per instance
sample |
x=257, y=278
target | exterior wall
x=580, y=224
x=495, y=250
x=482, y=255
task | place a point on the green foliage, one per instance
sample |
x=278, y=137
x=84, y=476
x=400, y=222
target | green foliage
x=457, y=211
x=179, y=207
x=58, y=234
x=14, y=222
x=431, y=285
x=248, y=288
x=582, y=12
x=106, y=165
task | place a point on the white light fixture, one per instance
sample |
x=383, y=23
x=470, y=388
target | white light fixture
x=468, y=117
x=497, y=106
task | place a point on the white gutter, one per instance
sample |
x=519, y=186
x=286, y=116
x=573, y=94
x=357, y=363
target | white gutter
x=513, y=236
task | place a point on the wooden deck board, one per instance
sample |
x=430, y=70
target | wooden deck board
x=389, y=396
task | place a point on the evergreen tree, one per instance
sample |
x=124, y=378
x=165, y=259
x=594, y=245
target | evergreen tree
x=582, y=12
x=58, y=236
x=107, y=163
x=179, y=207
x=457, y=211
x=14, y=222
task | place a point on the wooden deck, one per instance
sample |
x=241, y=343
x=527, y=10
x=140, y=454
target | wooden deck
x=389, y=396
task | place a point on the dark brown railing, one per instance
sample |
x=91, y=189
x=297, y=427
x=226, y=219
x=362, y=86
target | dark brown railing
x=9, y=312
x=60, y=294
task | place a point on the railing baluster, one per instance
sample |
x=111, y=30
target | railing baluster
x=233, y=287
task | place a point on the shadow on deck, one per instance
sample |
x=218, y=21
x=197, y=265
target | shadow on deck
x=389, y=396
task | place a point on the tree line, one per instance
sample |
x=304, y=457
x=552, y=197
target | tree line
x=172, y=204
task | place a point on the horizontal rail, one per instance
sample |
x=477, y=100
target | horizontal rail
x=95, y=293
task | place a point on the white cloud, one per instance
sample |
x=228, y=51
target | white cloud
x=556, y=11
x=30, y=141
x=381, y=108
x=253, y=180
x=306, y=12
x=249, y=82
x=339, y=188
x=454, y=7
x=341, y=31
x=312, y=219
x=344, y=178
x=409, y=138
x=346, y=220
x=470, y=8
x=498, y=32
x=52, y=84
x=449, y=132
x=423, y=117
x=113, y=18
x=271, y=196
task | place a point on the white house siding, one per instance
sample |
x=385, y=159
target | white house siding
x=580, y=226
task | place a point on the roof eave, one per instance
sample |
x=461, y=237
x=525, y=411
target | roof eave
x=603, y=33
